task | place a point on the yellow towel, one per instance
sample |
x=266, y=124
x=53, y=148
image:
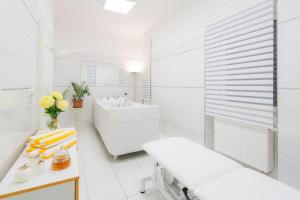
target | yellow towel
x=48, y=153
x=30, y=148
x=33, y=145
x=56, y=139
x=37, y=138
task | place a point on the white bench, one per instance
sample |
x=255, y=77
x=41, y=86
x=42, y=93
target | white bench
x=186, y=170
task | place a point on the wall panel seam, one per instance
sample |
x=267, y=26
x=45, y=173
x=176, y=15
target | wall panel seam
x=288, y=20
x=186, y=87
x=176, y=54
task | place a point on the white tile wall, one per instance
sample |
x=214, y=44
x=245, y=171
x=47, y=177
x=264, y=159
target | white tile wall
x=18, y=69
x=169, y=75
x=67, y=70
x=288, y=10
x=181, y=111
x=182, y=70
x=183, y=29
x=288, y=167
x=288, y=31
x=289, y=145
x=177, y=72
x=288, y=75
x=287, y=51
x=18, y=45
x=289, y=92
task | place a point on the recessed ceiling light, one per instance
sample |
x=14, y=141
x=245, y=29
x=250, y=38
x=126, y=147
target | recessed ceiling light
x=120, y=6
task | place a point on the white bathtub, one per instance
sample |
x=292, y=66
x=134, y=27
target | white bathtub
x=125, y=129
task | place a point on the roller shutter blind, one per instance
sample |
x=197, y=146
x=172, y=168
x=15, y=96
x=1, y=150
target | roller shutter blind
x=240, y=66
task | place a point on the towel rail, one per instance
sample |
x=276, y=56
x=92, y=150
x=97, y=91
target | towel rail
x=15, y=89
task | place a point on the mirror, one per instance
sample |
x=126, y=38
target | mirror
x=98, y=75
x=107, y=76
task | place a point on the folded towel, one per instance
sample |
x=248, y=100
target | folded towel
x=30, y=148
x=56, y=139
x=37, y=138
x=48, y=153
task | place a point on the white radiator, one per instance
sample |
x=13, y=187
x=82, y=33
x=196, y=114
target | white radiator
x=251, y=145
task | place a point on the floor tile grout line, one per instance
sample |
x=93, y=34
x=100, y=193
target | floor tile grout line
x=126, y=177
x=122, y=189
x=142, y=168
x=123, y=176
x=106, y=181
x=115, y=173
x=118, y=178
x=114, y=176
x=84, y=168
x=84, y=161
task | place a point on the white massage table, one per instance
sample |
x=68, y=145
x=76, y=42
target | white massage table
x=186, y=170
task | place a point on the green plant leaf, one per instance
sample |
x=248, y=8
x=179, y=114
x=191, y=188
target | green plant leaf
x=80, y=90
x=65, y=92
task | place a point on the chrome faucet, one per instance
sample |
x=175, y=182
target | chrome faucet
x=125, y=94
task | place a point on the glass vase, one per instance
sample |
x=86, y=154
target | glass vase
x=52, y=123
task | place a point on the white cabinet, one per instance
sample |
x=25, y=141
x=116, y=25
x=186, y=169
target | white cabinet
x=64, y=191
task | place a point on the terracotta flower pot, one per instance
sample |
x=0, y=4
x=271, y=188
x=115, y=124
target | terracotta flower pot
x=77, y=103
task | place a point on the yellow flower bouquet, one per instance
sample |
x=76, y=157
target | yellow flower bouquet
x=53, y=105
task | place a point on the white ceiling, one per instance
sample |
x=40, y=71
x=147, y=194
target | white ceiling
x=90, y=15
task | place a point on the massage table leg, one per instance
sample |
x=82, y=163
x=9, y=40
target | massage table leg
x=148, y=178
x=168, y=193
x=143, y=183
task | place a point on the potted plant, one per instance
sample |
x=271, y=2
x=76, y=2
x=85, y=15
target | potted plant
x=53, y=104
x=80, y=90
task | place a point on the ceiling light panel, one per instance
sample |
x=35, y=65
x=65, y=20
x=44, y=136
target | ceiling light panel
x=119, y=6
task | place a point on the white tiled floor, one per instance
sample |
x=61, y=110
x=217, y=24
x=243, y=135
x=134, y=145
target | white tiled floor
x=102, y=178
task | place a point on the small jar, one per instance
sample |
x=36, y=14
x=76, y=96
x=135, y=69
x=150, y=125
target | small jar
x=39, y=167
x=61, y=159
x=33, y=158
x=23, y=173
